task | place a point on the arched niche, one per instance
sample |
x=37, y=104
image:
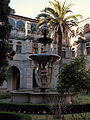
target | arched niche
x=20, y=25
x=13, y=78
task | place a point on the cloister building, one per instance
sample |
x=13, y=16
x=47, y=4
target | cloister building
x=23, y=40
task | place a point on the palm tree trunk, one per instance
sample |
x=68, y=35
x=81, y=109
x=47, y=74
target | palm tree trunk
x=60, y=44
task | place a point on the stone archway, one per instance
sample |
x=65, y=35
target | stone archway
x=13, y=81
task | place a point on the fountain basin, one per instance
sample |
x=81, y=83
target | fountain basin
x=44, y=58
x=39, y=97
x=43, y=65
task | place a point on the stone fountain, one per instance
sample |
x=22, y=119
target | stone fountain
x=44, y=62
x=43, y=65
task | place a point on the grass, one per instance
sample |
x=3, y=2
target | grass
x=84, y=99
x=4, y=95
x=81, y=116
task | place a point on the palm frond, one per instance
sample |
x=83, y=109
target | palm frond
x=74, y=17
x=41, y=15
x=72, y=23
x=63, y=6
x=69, y=6
x=58, y=17
x=40, y=23
x=48, y=10
x=57, y=7
x=66, y=9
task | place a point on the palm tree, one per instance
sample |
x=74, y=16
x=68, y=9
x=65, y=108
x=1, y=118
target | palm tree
x=60, y=19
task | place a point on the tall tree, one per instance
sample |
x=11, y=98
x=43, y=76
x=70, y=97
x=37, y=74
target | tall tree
x=74, y=77
x=5, y=29
x=60, y=19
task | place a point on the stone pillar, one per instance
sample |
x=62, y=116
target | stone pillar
x=21, y=78
x=26, y=75
x=29, y=78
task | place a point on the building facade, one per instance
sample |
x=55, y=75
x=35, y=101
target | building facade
x=80, y=40
x=23, y=40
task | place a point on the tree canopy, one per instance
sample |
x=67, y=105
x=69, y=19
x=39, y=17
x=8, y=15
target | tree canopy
x=5, y=29
x=74, y=77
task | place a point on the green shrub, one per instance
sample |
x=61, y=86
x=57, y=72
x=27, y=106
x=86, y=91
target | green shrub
x=25, y=108
x=77, y=108
x=13, y=116
x=4, y=95
x=42, y=108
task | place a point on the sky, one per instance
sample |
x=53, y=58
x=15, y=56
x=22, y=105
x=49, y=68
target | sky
x=31, y=8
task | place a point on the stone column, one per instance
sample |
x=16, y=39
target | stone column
x=27, y=80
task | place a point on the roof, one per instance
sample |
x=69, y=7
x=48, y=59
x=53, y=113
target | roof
x=23, y=18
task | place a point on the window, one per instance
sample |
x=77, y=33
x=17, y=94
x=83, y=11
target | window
x=18, y=49
x=88, y=50
x=33, y=27
x=19, y=42
x=20, y=25
x=11, y=22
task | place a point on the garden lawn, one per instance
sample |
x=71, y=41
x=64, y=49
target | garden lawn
x=84, y=99
x=81, y=116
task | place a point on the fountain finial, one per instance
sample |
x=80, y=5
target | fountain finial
x=45, y=30
x=45, y=40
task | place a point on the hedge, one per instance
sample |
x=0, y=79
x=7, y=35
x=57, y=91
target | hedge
x=25, y=108
x=13, y=116
x=4, y=95
x=42, y=108
x=77, y=108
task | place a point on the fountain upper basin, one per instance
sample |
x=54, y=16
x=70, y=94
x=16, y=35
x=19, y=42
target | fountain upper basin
x=44, y=58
